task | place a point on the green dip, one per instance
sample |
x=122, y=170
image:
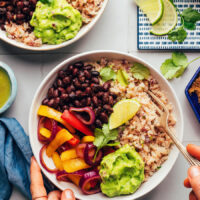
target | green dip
x=122, y=172
x=5, y=87
x=56, y=22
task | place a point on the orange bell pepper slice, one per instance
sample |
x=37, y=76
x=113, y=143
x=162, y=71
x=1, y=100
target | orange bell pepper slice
x=74, y=165
x=51, y=113
x=68, y=154
x=86, y=139
x=61, y=137
x=57, y=161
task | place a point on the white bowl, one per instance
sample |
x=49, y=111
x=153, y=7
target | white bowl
x=158, y=177
x=45, y=47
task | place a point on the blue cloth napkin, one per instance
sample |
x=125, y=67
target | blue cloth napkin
x=15, y=155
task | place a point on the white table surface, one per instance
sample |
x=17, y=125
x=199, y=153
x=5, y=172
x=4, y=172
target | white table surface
x=116, y=30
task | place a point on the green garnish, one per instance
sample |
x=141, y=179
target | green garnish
x=190, y=17
x=178, y=34
x=175, y=66
x=104, y=136
x=46, y=1
x=122, y=77
x=107, y=73
x=140, y=71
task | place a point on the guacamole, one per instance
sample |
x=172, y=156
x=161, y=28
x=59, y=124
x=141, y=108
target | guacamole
x=55, y=22
x=122, y=172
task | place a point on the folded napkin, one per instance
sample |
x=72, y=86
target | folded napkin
x=15, y=155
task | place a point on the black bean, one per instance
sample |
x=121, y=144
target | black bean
x=56, y=101
x=51, y=103
x=61, y=90
x=83, y=102
x=81, y=79
x=77, y=83
x=105, y=97
x=72, y=95
x=110, y=100
x=97, y=111
x=95, y=73
x=70, y=89
x=108, y=107
x=60, y=83
x=65, y=107
x=87, y=74
x=26, y=10
x=55, y=93
x=33, y=2
x=75, y=72
x=61, y=74
x=104, y=117
x=88, y=101
x=78, y=93
x=95, y=100
x=100, y=94
x=64, y=97
x=20, y=5
x=113, y=95
x=88, y=67
x=77, y=103
x=78, y=64
x=9, y=16
x=88, y=90
x=95, y=80
x=70, y=68
x=2, y=11
x=66, y=80
x=84, y=85
x=98, y=123
x=50, y=92
x=106, y=86
x=45, y=101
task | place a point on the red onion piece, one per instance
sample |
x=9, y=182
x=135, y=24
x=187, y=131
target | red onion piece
x=87, y=110
x=90, y=177
x=53, y=130
x=89, y=153
x=43, y=163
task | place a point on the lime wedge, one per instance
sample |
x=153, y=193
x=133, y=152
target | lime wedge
x=168, y=20
x=152, y=8
x=123, y=111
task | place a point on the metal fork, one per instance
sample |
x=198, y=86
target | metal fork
x=164, y=124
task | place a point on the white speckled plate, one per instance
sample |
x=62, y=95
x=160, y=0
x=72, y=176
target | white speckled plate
x=84, y=30
x=41, y=92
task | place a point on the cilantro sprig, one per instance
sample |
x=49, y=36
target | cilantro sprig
x=176, y=65
x=104, y=136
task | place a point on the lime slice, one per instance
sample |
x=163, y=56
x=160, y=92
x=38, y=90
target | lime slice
x=123, y=111
x=168, y=20
x=152, y=8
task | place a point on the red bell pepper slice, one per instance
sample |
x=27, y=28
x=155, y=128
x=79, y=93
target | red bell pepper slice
x=76, y=123
x=48, y=124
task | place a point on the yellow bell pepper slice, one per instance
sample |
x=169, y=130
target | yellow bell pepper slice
x=51, y=113
x=61, y=137
x=74, y=165
x=45, y=132
x=86, y=139
x=68, y=154
x=74, y=178
x=57, y=161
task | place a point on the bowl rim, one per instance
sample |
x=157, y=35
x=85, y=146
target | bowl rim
x=93, y=53
x=46, y=47
x=13, y=83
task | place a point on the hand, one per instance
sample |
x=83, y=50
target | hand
x=193, y=179
x=38, y=190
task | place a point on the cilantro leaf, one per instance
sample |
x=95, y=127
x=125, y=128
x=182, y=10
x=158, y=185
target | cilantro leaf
x=169, y=69
x=104, y=136
x=122, y=77
x=178, y=34
x=46, y=1
x=190, y=17
x=140, y=71
x=179, y=59
x=107, y=73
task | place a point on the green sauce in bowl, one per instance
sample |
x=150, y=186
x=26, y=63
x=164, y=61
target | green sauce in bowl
x=5, y=87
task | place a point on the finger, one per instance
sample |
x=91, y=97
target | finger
x=194, y=150
x=55, y=195
x=67, y=195
x=37, y=185
x=192, y=196
x=194, y=178
x=187, y=183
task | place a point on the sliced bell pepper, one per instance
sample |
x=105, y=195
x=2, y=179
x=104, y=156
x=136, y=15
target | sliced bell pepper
x=76, y=123
x=74, y=165
x=68, y=154
x=45, y=132
x=57, y=161
x=74, y=141
x=86, y=139
x=54, y=114
x=61, y=137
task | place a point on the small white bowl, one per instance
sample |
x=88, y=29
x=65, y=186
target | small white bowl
x=41, y=92
x=45, y=47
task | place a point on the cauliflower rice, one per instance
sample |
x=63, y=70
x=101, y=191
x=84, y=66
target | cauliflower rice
x=143, y=131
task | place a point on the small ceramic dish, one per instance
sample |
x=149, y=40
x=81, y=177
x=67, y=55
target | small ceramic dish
x=13, y=83
x=45, y=47
x=41, y=92
x=192, y=98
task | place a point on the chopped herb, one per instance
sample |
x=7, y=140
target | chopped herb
x=159, y=167
x=107, y=73
x=122, y=77
x=140, y=71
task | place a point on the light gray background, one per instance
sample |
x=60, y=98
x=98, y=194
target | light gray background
x=116, y=30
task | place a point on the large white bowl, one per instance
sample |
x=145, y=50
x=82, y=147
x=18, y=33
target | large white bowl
x=158, y=177
x=45, y=47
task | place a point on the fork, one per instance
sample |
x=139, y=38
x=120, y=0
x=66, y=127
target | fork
x=164, y=124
